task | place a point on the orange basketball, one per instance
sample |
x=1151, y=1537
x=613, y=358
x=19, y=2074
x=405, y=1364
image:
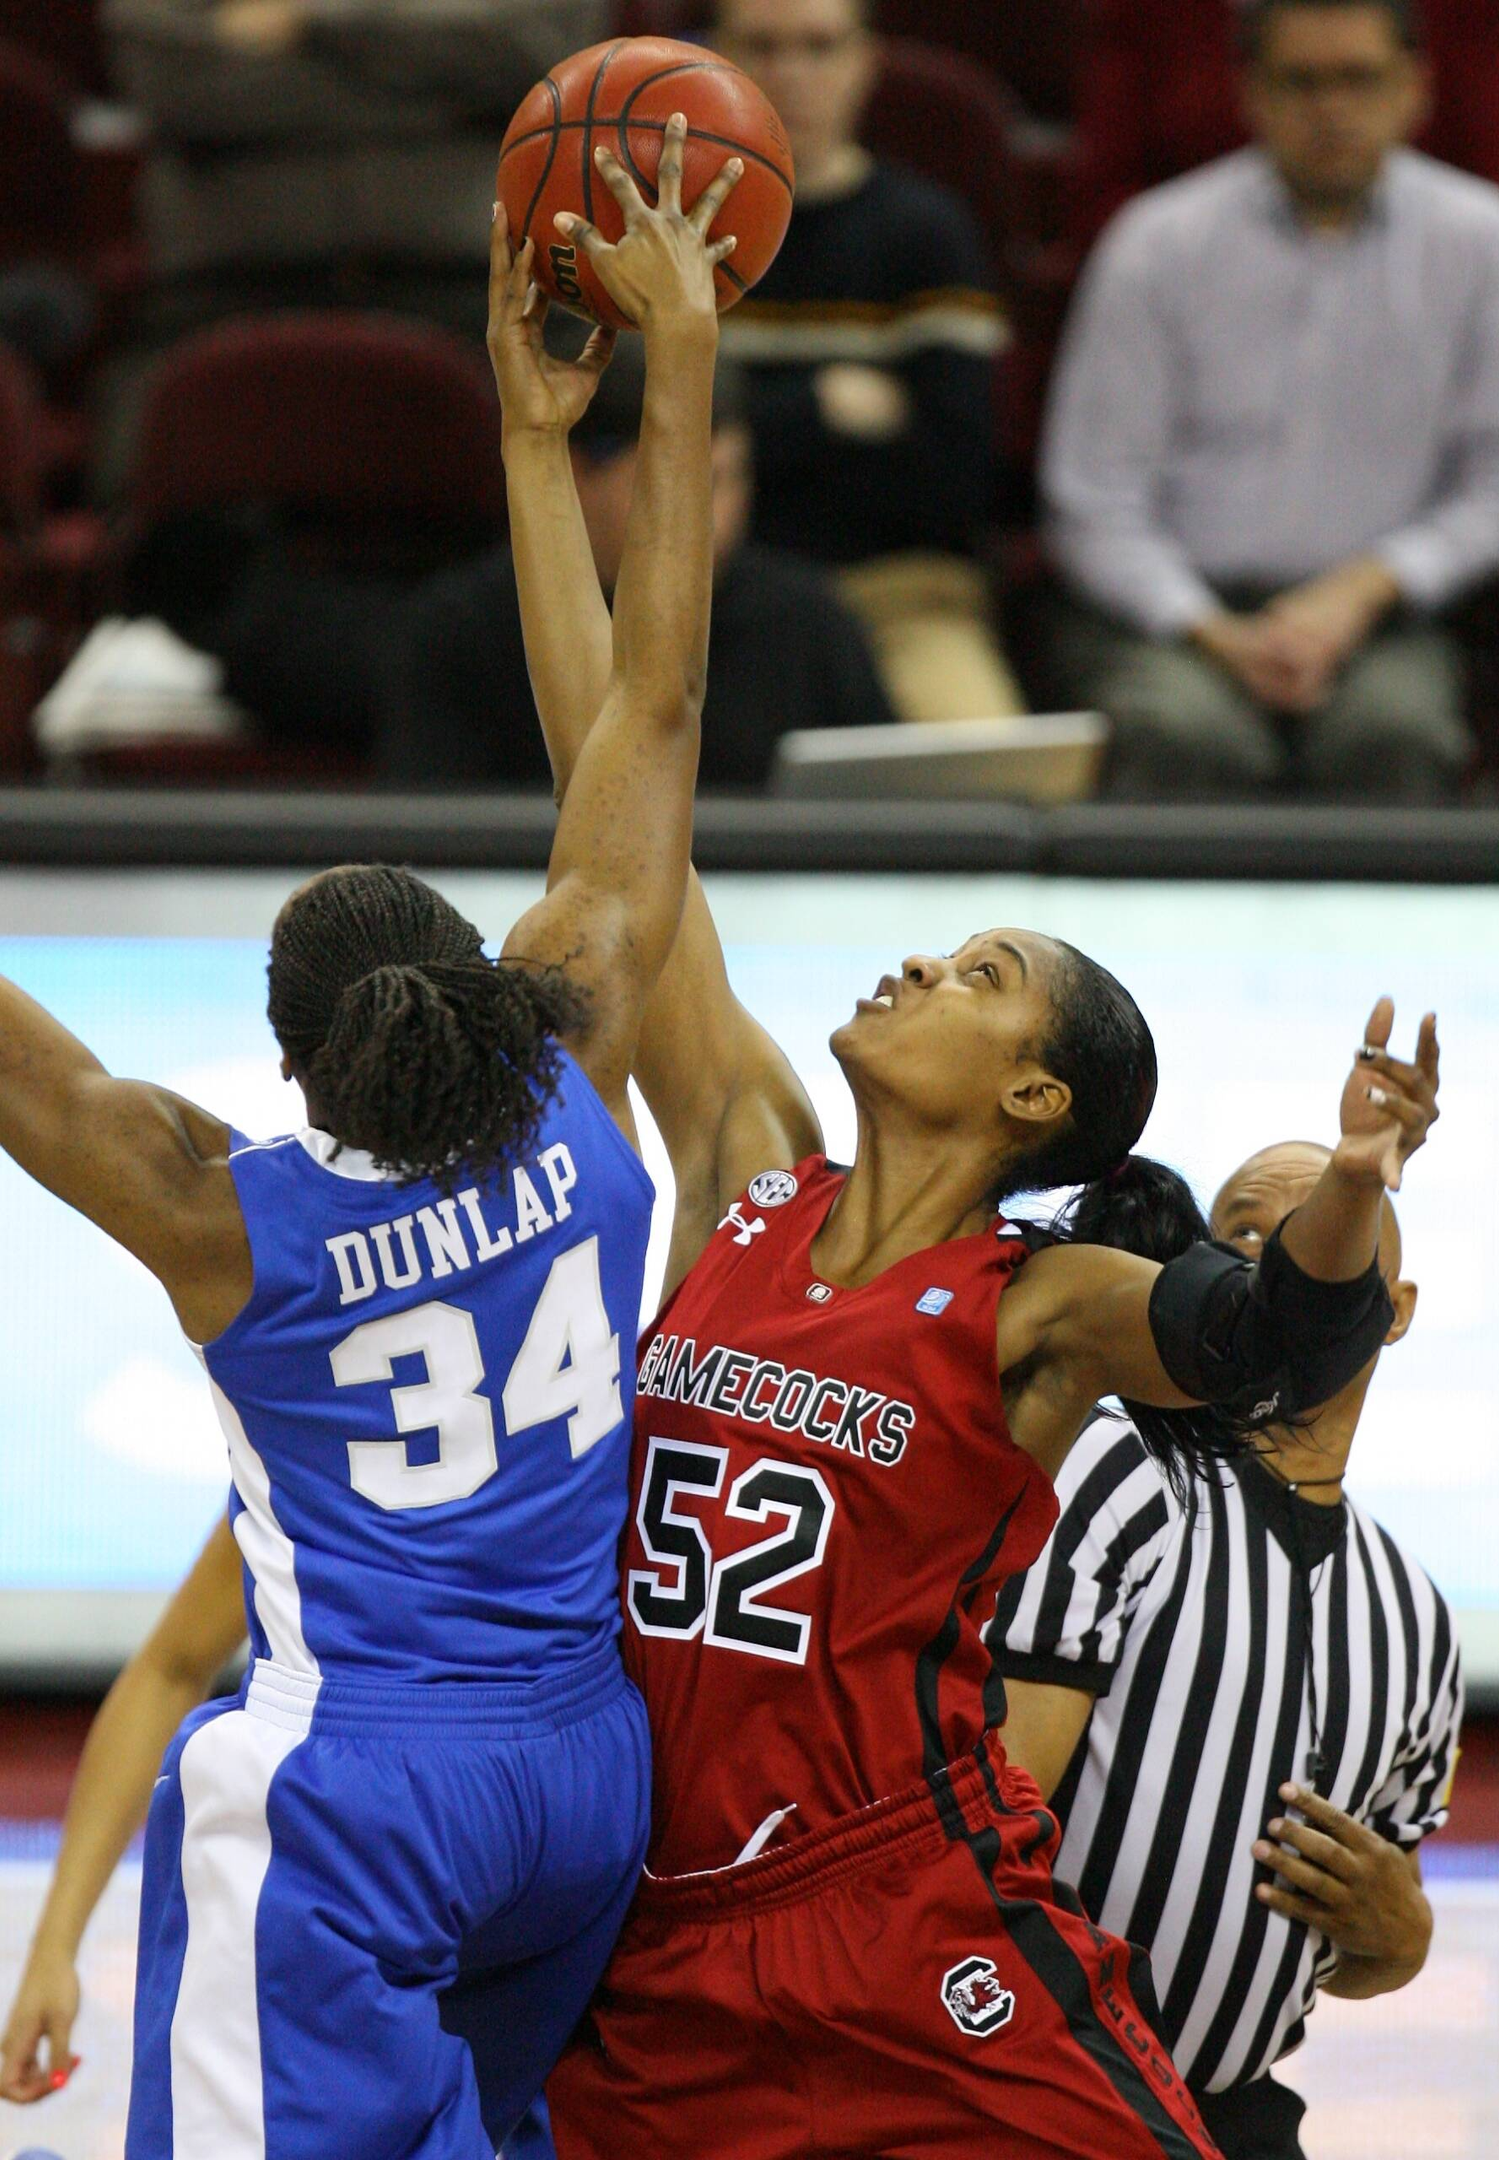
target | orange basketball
x=623, y=93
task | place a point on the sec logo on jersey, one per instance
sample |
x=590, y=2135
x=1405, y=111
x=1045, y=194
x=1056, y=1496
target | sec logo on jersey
x=773, y=1188
x=976, y=2002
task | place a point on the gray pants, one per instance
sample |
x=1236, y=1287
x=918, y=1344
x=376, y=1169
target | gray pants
x=1185, y=731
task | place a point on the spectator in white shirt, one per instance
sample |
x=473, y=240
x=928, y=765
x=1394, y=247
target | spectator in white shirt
x=1273, y=450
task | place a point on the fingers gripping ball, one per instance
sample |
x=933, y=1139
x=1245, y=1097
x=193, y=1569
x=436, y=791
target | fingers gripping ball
x=622, y=94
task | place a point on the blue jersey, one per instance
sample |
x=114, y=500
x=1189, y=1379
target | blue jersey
x=427, y=1403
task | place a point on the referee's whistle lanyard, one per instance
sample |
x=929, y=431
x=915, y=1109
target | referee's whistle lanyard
x=1316, y=1766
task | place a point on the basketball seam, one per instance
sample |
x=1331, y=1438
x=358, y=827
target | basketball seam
x=546, y=170
x=658, y=127
x=588, y=122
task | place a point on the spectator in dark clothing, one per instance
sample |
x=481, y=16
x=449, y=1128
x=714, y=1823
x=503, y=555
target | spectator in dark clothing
x=870, y=346
x=457, y=707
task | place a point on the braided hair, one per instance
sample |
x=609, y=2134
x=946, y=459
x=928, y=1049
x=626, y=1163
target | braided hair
x=1101, y=1045
x=418, y=1048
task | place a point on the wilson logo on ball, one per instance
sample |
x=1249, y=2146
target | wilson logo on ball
x=564, y=261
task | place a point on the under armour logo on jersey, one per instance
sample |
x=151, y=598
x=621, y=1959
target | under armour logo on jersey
x=935, y=1301
x=976, y=2002
x=745, y=1230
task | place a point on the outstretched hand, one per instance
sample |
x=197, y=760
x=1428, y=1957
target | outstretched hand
x=1388, y=1107
x=538, y=392
x=35, y=2056
x=661, y=271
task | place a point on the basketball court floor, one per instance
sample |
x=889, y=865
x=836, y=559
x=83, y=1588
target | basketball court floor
x=1413, y=2076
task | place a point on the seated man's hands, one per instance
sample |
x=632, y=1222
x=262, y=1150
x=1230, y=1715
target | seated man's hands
x=1289, y=655
x=1326, y=620
x=1270, y=659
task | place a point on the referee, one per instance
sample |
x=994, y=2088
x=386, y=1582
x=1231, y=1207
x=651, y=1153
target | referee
x=1244, y=1710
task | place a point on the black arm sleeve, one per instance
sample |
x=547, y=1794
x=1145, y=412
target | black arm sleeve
x=1266, y=1342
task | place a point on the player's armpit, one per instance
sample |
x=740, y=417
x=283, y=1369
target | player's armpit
x=1080, y=1316
x=722, y=1091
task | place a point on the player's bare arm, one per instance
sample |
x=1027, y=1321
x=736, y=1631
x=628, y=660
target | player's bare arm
x=619, y=862
x=723, y=1092
x=169, y=1675
x=1043, y=1725
x=150, y=1169
x=1083, y=1322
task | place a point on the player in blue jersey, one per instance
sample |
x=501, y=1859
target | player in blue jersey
x=416, y=1315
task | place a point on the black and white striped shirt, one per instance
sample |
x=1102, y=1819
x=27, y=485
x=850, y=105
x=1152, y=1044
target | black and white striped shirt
x=1191, y=1629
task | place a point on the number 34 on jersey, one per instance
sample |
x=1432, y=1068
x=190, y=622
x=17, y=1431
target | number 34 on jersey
x=567, y=1367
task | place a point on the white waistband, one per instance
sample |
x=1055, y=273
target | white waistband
x=282, y=1696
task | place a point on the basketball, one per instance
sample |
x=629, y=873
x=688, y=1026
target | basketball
x=623, y=93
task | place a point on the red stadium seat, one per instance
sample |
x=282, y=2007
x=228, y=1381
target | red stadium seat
x=46, y=566
x=947, y=119
x=377, y=438
x=64, y=33
x=41, y=173
x=20, y=463
x=661, y=18
x=1031, y=44
x=364, y=414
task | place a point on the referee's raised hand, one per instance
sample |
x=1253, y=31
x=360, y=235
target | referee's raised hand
x=1388, y=1107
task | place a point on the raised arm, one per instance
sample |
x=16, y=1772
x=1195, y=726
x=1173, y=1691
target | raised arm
x=723, y=1093
x=168, y=1676
x=150, y=1169
x=620, y=858
x=1284, y=1335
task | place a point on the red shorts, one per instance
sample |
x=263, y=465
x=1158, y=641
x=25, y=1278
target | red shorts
x=908, y=1982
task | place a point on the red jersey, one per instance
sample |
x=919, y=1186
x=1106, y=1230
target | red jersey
x=826, y=1499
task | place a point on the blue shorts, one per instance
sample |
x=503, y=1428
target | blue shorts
x=326, y=1859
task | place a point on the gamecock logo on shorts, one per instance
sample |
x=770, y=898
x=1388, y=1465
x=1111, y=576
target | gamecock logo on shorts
x=976, y=2002
x=772, y=1188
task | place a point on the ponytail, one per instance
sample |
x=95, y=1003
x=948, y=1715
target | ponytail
x=442, y=1067
x=1146, y=1208
x=1100, y=1045
x=418, y=1048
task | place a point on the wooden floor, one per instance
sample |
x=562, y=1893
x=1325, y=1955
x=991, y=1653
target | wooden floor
x=1414, y=2076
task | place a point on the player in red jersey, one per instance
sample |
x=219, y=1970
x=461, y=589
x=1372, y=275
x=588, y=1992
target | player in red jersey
x=849, y=1942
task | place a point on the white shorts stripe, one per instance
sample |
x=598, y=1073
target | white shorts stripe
x=218, y=2104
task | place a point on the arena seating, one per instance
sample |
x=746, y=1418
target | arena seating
x=1031, y=45
x=65, y=33
x=45, y=566
x=1158, y=93
x=380, y=438
x=363, y=412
